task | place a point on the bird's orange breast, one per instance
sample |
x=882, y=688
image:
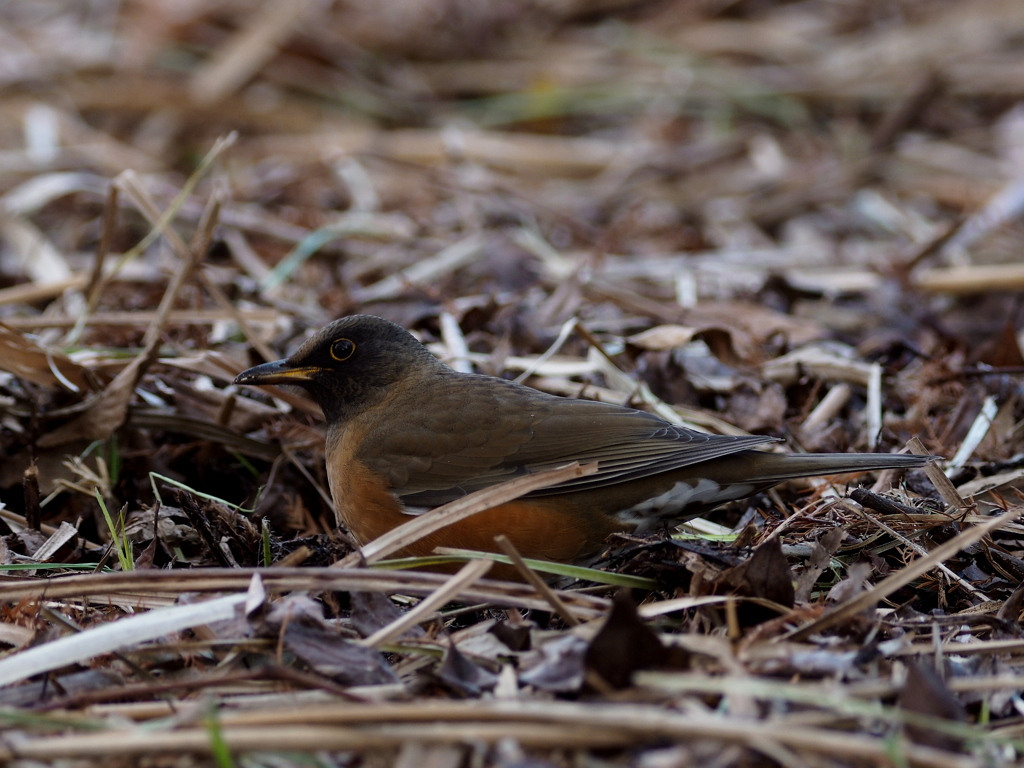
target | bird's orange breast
x=544, y=529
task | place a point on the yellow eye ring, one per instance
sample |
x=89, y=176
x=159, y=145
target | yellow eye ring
x=342, y=350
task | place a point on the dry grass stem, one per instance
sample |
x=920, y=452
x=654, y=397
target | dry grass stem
x=797, y=221
x=468, y=575
x=902, y=577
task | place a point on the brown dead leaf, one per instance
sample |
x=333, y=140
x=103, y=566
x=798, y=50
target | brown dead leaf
x=765, y=575
x=560, y=669
x=105, y=413
x=298, y=622
x=372, y=611
x=747, y=326
x=514, y=635
x=735, y=331
x=661, y=338
x=34, y=693
x=624, y=645
x=757, y=411
x=925, y=693
x=327, y=652
x=462, y=675
x=821, y=556
x=854, y=583
x=46, y=367
x=1004, y=351
x=733, y=346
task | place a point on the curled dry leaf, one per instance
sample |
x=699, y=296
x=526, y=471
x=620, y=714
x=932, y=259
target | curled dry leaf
x=624, y=645
x=749, y=323
x=46, y=367
x=820, y=559
x=105, y=413
x=925, y=693
x=514, y=635
x=298, y=622
x=854, y=583
x=824, y=364
x=327, y=652
x=661, y=338
x=372, y=611
x=733, y=346
x=734, y=331
x=35, y=693
x=560, y=669
x=765, y=575
x=462, y=675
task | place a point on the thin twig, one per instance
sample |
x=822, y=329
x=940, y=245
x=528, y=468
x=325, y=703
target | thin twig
x=469, y=574
x=536, y=581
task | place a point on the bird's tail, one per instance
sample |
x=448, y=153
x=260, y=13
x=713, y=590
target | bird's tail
x=777, y=467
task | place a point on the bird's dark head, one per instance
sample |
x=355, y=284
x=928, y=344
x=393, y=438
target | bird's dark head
x=348, y=365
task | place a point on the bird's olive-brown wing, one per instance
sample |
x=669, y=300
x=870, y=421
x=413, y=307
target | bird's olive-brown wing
x=478, y=431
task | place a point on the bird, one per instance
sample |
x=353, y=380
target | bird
x=407, y=433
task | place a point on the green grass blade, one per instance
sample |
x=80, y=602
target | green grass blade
x=448, y=555
x=121, y=545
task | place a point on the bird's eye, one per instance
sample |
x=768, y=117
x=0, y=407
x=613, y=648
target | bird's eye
x=342, y=350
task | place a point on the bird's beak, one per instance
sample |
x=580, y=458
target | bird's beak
x=277, y=372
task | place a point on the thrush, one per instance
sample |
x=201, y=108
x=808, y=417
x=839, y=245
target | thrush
x=407, y=433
